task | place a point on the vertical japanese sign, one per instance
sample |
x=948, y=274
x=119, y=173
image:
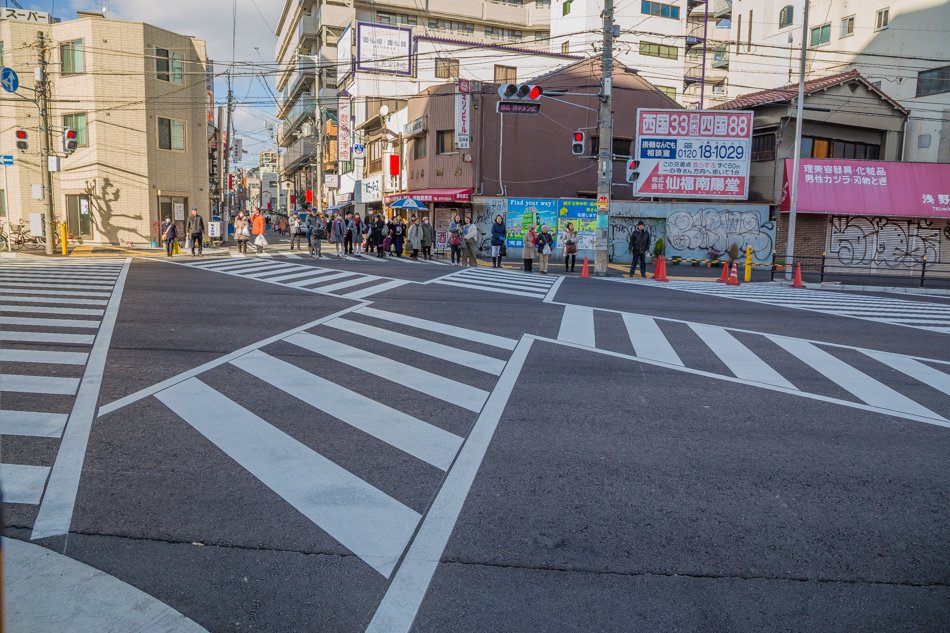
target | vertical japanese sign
x=344, y=130
x=693, y=153
x=463, y=115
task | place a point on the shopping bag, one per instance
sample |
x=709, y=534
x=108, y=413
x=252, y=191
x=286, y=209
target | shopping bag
x=176, y=248
x=260, y=241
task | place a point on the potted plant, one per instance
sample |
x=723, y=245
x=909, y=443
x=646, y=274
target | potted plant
x=658, y=247
x=733, y=252
x=713, y=254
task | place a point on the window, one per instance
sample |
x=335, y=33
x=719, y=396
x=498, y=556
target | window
x=786, y=17
x=720, y=88
x=77, y=122
x=446, y=68
x=621, y=146
x=72, y=55
x=883, y=17
x=500, y=33
x=445, y=142
x=171, y=134
x=505, y=74
x=542, y=3
x=933, y=82
x=566, y=7
x=669, y=91
x=763, y=147
x=177, y=70
x=161, y=64
x=453, y=26
x=847, y=26
x=821, y=34
x=566, y=47
x=396, y=19
x=813, y=147
x=660, y=9
x=542, y=36
x=419, y=147
x=374, y=152
x=658, y=50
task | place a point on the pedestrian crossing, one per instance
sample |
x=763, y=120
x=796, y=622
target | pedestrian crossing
x=436, y=377
x=50, y=316
x=910, y=387
x=285, y=272
x=931, y=316
x=501, y=281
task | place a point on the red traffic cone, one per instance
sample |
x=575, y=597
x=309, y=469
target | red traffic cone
x=798, y=276
x=584, y=272
x=725, y=274
x=660, y=273
x=733, y=276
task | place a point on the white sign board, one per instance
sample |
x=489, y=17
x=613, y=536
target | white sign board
x=24, y=15
x=344, y=131
x=332, y=181
x=383, y=49
x=371, y=189
x=179, y=209
x=344, y=52
x=36, y=224
x=693, y=153
x=215, y=229
x=463, y=115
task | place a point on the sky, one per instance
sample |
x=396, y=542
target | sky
x=209, y=20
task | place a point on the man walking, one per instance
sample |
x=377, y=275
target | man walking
x=639, y=244
x=196, y=229
x=169, y=235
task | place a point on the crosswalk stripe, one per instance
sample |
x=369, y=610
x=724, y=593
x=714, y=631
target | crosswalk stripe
x=53, y=385
x=441, y=328
x=448, y=353
x=648, y=339
x=504, y=282
x=362, y=279
x=61, y=293
x=320, y=277
x=490, y=288
x=740, y=360
x=49, y=310
x=365, y=520
x=284, y=278
x=32, y=423
x=577, y=326
x=915, y=369
x=230, y=266
x=7, y=283
x=892, y=315
x=23, y=483
x=859, y=384
x=457, y=393
x=373, y=290
x=41, y=356
x=103, y=280
x=413, y=436
x=47, y=337
x=515, y=278
x=78, y=323
x=275, y=270
x=34, y=299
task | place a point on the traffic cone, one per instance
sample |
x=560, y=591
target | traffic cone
x=733, y=276
x=725, y=274
x=798, y=276
x=584, y=272
x=660, y=273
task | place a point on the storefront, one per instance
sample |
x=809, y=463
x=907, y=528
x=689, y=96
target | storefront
x=442, y=205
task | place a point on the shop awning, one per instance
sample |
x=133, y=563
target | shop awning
x=433, y=195
x=339, y=206
x=870, y=187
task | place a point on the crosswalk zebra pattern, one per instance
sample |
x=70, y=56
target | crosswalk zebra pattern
x=325, y=370
x=931, y=316
x=49, y=318
x=285, y=272
x=501, y=281
x=882, y=381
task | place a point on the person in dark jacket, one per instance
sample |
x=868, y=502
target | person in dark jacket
x=639, y=244
x=498, y=234
x=380, y=231
x=196, y=230
x=399, y=235
x=169, y=234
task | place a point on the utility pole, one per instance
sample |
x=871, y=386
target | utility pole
x=605, y=161
x=800, y=111
x=42, y=104
x=318, y=187
x=226, y=214
x=221, y=175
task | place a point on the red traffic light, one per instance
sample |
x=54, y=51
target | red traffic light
x=578, y=137
x=21, y=135
x=71, y=134
x=535, y=92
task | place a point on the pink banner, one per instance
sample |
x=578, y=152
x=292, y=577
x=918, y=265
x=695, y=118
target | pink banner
x=869, y=187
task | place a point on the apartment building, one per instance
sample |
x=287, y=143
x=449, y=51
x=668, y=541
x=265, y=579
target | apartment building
x=899, y=45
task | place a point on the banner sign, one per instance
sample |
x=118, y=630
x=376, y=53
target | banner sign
x=693, y=153
x=344, y=52
x=582, y=214
x=383, y=49
x=526, y=212
x=344, y=129
x=463, y=115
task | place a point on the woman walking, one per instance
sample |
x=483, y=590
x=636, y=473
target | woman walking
x=318, y=231
x=470, y=242
x=354, y=230
x=528, y=249
x=258, y=224
x=337, y=233
x=242, y=232
x=428, y=238
x=545, y=244
x=498, y=234
x=399, y=235
x=415, y=238
x=455, y=239
x=570, y=248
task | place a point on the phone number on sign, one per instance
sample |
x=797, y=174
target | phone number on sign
x=721, y=151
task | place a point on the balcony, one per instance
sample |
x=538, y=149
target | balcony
x=693, y=4
x=298, y=155
x=303, y=76
x=720, y=58
x=693, y=74
x=723, y=10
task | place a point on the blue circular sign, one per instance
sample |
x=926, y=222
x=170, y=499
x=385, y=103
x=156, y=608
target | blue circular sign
x=9, y=80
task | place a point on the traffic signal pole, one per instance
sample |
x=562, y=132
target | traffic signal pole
x=605, y=162
x=42, y=104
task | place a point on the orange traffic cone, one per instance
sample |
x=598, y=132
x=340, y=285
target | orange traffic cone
x=798, y=276
x=733, y=276
x=660, y=273
x=584, y=272
x=725, y=274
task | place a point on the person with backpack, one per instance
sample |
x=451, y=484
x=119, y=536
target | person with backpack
x=570, y=248
x=196, y=230
x=456, y=228
x=498, y=235
x=639, y=244
x=317, y=233
x=545, y=244
x=169, y=235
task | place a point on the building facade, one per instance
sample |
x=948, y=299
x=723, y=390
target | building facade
x=138, y=98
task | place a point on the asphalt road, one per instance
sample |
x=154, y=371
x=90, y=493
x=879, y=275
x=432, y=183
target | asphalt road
x=596, y=461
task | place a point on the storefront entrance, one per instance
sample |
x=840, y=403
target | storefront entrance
x=78, y=218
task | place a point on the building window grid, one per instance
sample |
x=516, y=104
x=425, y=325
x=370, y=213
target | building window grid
x=396, y=19
x=847, y=26
x=566, y=7
x=73, y=57
x=934, y=81
x=786, y=17
x=502, y=33
x=505, y=74
x=171, y=134
x=446, y=68
x=660, y=9
x=452, y=26
x=651, y=49
x=820, y=35
x=763, y=146
x=419, y=147
x=669, y=91
x=566, y=47
x=818, y=147
x=78, y=121
x=882, y=19
x=445, y=142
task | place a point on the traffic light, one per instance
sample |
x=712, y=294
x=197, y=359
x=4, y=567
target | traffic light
x=22, y=140
x=579, y=143
x=520, y=92
x=70, y=141
x=633, y=169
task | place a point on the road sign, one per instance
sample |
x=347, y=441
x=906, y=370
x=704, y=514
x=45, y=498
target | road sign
x=9, y=80
x=6, y=159
x=603, y=202
x=518, y=107
x=359, y=150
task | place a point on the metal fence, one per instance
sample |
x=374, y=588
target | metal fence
x=916, y=272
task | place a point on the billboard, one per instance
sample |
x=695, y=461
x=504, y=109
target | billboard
x=526, y=212
x=582, y=214
x=693, y=153
x=463, y=115
x=383, y=49
x=344, y=52
x=344, y=129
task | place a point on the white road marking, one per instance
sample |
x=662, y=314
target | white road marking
x=441, y=328
x=49, y=310
x=577, y=326
x=363, y=279
x=42, y=356
x=24, y=383
x=320, y=277
x=490, y=288
x=740, y=360
x=915, y=369
x=47, y=337
x=35, y=299
x=648, y=339
x=23, y=483
x=77, y=323
x=59, y=293
x=282, y=268
x=373, y=290
x=32, y=423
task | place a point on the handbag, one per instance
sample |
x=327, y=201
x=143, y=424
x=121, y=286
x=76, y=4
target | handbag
x=571, y=247
x=260, y=241
x=176, y=248
x=503, y=250
x=547, y=250
x=455, y=240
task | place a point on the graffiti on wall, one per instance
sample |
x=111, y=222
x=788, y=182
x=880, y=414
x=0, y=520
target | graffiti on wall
x=693, y=233
x=484, y=214
x=863, y=241
x=620, y=230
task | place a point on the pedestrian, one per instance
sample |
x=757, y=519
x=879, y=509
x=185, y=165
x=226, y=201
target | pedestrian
x=545, y=245
x=455, y=239
x=399, y=234
x=347, y=236
x=570, y=247
x=415, y=238
x=297, y=231
x=470, y=243
x=169, y=235
x=498, y=234
x=528, y=249
x=380, y=231
x=354, y=230
x=338, y=234
x=242, y=232
x=639, y=243
x=428, y=238
x=317, y=232
x=258, y=225
x=196, y=230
